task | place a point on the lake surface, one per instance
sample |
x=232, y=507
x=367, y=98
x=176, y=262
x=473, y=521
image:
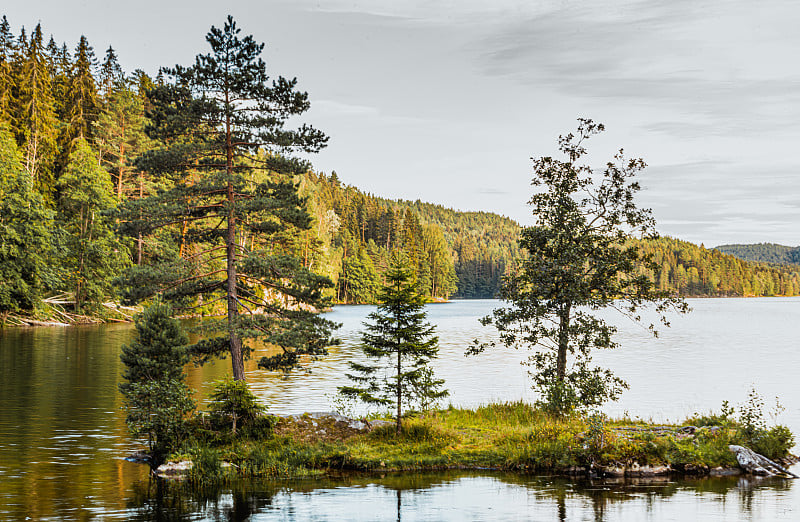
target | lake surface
x=63, y=438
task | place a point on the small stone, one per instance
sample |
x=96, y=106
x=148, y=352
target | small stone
x=174, y=469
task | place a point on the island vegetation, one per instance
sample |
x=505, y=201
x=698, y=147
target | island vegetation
x=764, y=253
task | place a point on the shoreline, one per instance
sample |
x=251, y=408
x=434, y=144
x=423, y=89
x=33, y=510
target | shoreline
x=25, y=321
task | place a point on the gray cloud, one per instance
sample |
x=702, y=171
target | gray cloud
x=677, y=56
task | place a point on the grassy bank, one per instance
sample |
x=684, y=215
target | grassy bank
x=511, y=436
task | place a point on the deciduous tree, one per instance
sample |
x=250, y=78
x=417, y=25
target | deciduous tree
x=93, y=255
x=25, y=233
x=577, y=263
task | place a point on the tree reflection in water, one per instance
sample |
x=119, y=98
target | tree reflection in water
x=453, y=496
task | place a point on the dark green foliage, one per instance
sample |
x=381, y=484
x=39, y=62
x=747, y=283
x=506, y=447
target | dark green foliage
x=110, y=76
x=25, y=233
x=93, y=256
x=358, y=281
x=157, y=399
x=690, y=270
x=764, y=253
x=233, y=207
x=578, y=260
x=233, y=403
x=403, y=345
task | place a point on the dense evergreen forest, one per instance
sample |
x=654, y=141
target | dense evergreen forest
x=764, y=253
x=456, y=254
x=74, y=130
x=692, y=270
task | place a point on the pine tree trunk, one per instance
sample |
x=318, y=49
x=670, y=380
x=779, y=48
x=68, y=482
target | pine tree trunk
x=139, y=242
x=230, y=244
x=121, y=167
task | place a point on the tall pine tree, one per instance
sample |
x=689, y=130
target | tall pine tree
x=120, y=136
x=83, y=101
x=37, y=117
x=234, y=207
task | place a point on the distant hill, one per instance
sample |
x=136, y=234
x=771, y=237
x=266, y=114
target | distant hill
x=455, y=254
x=764, y=253
x=692, y=270
x=465, y=254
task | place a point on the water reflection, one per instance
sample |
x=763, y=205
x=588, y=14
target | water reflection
x=63, y=435
x=467, y=496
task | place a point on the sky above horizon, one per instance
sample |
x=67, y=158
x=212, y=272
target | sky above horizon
x=447, y=101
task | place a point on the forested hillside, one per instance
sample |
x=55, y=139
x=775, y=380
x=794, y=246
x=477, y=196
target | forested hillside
x=693, y=270
x=459, y=254
x=73, y=141
x=764, y=253
x=75, y=135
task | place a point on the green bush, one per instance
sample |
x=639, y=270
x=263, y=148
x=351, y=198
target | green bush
x=259, y=428
x=774, y=442
x=232, y=403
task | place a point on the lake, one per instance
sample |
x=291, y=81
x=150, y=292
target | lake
x=63, y=438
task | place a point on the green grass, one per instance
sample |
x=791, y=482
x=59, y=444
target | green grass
x=510, y=436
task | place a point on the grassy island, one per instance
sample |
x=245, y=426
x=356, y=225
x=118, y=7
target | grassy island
x=510, y=436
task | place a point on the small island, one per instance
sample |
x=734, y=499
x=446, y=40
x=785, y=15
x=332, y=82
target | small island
x=510, y=436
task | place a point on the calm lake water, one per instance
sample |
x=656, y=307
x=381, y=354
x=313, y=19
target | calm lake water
x=63, y=438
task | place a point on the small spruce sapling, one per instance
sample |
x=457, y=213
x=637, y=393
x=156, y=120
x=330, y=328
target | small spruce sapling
x=403, y=344
x=233, y=401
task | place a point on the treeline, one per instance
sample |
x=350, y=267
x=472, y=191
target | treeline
x=458, y=254
x=68, y=128
x=692, y=270
x=764, y=253
x=71, y=130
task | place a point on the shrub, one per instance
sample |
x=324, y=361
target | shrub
x=232, y=402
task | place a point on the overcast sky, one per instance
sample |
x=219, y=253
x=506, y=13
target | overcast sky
x=447, y=101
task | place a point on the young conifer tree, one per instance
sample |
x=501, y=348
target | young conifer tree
x=157, y=399
x=402, y=343
x=233, y=207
